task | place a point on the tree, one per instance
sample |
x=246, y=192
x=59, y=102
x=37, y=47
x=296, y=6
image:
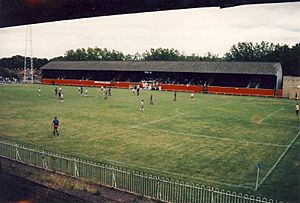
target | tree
x=267, y=52
x=70, y=55
x=211, y=57
x=162, y=54
x=8, y=73
x=193, y=57
x=81, y=54
x=93, y=54
x=243, y=51
x=290, y=60
x=17, y=62
x=296, y=58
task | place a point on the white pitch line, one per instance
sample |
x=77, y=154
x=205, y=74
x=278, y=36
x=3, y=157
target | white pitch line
x=156, y=121
x=244, y=184
x=278, y=160
x=169, y=117
x=216, y=138
x=270, y=115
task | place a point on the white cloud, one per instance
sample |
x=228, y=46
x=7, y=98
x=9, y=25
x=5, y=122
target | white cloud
x=191, y=31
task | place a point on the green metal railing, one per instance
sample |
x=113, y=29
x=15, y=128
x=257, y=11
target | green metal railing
x=155, y=187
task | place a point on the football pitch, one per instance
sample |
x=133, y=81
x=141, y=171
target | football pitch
x=214, y=140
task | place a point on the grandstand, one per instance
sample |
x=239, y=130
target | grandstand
x=240, y=78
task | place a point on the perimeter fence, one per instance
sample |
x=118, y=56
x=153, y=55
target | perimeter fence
x=155, y=187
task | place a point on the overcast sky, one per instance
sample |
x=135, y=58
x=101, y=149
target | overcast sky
x=197, y=31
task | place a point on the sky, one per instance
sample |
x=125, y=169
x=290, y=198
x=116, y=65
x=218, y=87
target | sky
x=198, y=31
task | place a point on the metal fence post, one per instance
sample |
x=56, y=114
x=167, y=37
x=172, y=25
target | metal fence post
x=113, y=179
x=18, y=157
x=76, y=172
x=44, y=164
x=158, y=192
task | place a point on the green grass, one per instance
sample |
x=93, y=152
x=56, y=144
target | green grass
x=215, y=140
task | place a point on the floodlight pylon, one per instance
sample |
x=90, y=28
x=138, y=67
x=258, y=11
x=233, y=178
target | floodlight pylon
x=28, y=45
